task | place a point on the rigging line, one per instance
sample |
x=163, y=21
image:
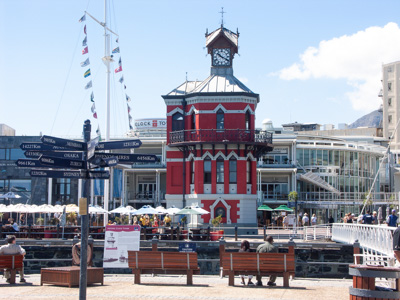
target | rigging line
x=380, y=165
x=88, y=92
x=117, y=116
x=66, y=80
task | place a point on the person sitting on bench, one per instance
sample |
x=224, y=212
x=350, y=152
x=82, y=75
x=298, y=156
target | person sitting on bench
x=267, y=247
x=12, y=249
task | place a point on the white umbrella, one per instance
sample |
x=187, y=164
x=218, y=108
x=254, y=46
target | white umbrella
x=145, y=210
x=125, y=210
x=97, y=210
x=173, y=210
x=161, y=210
x=10, y=195
x=199, y=209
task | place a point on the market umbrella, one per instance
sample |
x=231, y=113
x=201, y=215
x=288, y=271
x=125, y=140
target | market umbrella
x=188, y=210
x=125, y=210
x=199, y=209
x=10, y=195
x=145, y=210
x=173, y=210
x=97, y=210
x=283, y=208
x=161, y=210
x=265, y=208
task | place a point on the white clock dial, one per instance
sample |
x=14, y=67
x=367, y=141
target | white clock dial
x=222, y=57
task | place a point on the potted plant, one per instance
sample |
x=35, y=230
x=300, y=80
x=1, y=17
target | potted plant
x=40, y=221
x=71, y=218
x=49, y=232
x=215, y=235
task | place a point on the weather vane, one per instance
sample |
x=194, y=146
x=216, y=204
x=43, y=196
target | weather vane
x=222, y=12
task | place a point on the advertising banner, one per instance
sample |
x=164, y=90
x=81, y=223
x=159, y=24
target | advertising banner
x=117, y=241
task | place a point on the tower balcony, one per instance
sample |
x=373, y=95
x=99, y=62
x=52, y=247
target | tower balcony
x=220, y=136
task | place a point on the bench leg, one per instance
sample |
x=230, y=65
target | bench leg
x=231, y=278
x=137, y=275
x=13, y=274
x=286, y=276
x=189, y=280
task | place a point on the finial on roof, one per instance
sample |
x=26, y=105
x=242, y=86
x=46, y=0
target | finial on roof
x=186, y=76
x=222, y=12
x=237, y=32
x=206, y=32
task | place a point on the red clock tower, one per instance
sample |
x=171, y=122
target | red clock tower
x=212, y=143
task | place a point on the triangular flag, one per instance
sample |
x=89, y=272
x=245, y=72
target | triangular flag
x=116, y=50
x=84, y=29
x=83, y=18
x=87, y=73
x=119, y=69
x=130, y=127
x=121, y=79
x=92, y=97
x=85, y=50
x=85, y=63
x=84, y=42
x=130, y=117
x=93, y=108
x=117, y=40
x=95, y=115
x=129, y=109
x=120, y=62
x=127, y=98
x=88, y=85
x=124, y=86
x=98, y=132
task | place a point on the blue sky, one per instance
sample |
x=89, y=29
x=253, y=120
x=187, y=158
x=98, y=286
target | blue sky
x=310, y=61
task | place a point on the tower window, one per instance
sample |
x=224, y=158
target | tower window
x=220, y=119
x=390, y=101
x=207, y=170
x=389, y=86
x=248, y=169
x=220, y=170
x=193, y=120
x=390, y=118
x=232, y=170
x=192, y=171
x=177, y=121
x=248, y=120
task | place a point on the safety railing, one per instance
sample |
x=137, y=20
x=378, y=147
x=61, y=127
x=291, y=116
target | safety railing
x=372, y=238
x=317, y=232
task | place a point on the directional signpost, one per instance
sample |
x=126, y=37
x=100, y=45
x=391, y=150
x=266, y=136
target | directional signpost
x=56, y=174
x=71, y=144
x=60, y=154
x=128, y=158
x=128, y=144
x=61, y=162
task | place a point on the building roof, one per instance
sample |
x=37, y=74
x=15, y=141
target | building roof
x=185, y=88
x=231, y=36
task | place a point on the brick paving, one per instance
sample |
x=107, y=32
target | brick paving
x=174, y=287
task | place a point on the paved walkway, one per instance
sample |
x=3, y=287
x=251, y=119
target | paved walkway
x=174, y=287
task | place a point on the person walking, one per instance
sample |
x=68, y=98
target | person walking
x=267, y=247
x=12, y=249
x=245, y=247
x=305, y=220
x=392, y=219
x=367, y=218
x=314, y=220
x=396, y=243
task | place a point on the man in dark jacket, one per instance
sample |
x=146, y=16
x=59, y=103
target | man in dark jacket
x=267, y=247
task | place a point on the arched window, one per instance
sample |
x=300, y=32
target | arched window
x=248, y=125
x=220, y=119
x=207, y=170
x=192, y=171
x=193, y=120
x=232, y=170
x=220, y=170
x=248, y=170
x=177, y=121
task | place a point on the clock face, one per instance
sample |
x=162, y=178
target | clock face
x=221, y=57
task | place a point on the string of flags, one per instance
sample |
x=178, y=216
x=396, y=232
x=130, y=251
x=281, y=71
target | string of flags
x=88, y=73
x=121, y=80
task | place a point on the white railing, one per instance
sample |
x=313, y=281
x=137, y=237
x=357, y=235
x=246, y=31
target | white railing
x=317, y=232
x=372, y=238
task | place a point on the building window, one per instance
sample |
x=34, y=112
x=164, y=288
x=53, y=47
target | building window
x=207, y=170
x=193, y=121
x=192, y=171
x=177, y=121
x=62, y=193
x=232, y=170
x=390, y=101
x=389, y=86
x=248, y=169
x=390, y=118
x=248, y=120
x=220, y=170
x=220, y=119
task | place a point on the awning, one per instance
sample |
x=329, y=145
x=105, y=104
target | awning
x=315, y=179
x=283, y=208
x=265, y=208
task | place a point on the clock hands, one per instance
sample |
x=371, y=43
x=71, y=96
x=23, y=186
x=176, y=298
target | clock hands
x=224, y=58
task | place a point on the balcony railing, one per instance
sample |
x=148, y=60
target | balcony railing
x=220, y=136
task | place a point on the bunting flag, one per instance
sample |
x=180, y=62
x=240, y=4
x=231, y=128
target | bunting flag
x=120, y=62
x=87, y=73
x=119, y=69
x=117, y=40
x=116, y=50
x=130, y=127
x=88, y=85
x=130, y=117
x=84, y=29
x=129, y=109
x=85, y=50
x=121, y=79
x=128, y=99
x=83, y=18
x=95, y=115
x=124, y=86
x=93, y=109
x=85, y=63
x=84, y=42
x=98, y=132
x=92, y=97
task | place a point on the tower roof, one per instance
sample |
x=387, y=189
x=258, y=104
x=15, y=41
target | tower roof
x=222, y=31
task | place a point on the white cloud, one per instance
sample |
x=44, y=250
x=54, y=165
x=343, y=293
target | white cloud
x=357, y=58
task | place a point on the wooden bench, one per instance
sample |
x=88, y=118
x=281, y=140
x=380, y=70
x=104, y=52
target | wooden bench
x=69, y=276
x=263, y=264
x=12, y=263
x=160, y=262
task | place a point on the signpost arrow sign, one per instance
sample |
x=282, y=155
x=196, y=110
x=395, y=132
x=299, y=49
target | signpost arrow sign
x=55, y=174
x=104, y=162
x=28, y=163
x=39, y=147
x=119, y=145
x=99, y=175
x=60, y=154
x=60, y=162
x=55, y=141
x=91, y=147
x=128, y=158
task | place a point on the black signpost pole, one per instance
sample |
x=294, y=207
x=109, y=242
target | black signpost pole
x=85, y=225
